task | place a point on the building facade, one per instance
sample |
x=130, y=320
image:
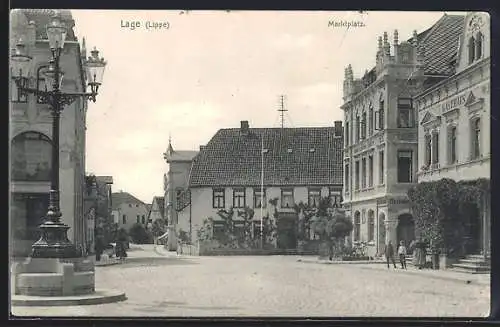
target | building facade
x=454, y=123
x=177, y=196
x=98, y=205
x=298, y=165
x=128, y=210
x=381, y=143
x=31, y=132
x=157, y=210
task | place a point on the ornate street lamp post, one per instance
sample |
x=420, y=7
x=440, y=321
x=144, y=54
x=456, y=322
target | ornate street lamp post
x=53, y=242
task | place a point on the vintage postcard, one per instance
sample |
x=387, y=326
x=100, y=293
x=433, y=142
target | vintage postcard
x=195, y=163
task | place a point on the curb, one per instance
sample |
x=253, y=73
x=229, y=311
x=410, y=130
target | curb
x=456, y=278
x=410, y=272
x=166, y=254
x=108, y=263
x=337, y=262
x=98, y=297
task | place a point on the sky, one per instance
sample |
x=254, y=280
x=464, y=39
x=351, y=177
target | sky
x=208, y=70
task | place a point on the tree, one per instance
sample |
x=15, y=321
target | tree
x=139, y=234
x=305, y=212
x=159, y=227
x=247, y=214
x=331, y=225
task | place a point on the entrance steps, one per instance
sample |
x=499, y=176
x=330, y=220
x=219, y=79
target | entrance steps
x=473, y=264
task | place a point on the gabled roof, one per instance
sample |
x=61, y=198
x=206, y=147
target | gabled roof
x=441, y=44
x=119, y=198
x=160, y=202
x=293, y=156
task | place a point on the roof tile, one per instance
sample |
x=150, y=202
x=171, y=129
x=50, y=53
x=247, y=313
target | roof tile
x=232, y=158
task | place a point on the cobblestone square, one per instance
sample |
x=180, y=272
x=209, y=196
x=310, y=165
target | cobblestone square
x=167, y=286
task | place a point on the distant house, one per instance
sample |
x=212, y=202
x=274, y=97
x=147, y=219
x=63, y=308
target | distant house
x=300, y=165
x=175, y=185
x=157, y=209
x=128, y=210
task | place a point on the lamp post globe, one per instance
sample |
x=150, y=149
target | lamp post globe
x=94, y=69
x=21, y=63
x=56, y=32
x=51, y=75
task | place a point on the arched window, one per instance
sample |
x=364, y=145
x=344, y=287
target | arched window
x=479, y=45
x=371, y=226
x=472, y=49
x=357, y=226
x=31, y=157
x=476, y=138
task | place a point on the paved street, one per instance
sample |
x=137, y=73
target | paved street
x=159, y=285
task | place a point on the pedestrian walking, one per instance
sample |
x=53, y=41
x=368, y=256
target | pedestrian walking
x=389, y=254
x=420, y=254
x=402, y=254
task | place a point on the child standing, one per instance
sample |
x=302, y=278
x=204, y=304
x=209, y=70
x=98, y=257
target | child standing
x=402, y=254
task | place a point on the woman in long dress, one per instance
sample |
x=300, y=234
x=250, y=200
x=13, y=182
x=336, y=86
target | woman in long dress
x=419, y=256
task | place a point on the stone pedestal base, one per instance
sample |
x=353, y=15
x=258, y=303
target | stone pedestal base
x=53, y=277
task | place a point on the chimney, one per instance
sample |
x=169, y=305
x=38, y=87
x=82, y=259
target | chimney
x=337, y=130
x=244, y=127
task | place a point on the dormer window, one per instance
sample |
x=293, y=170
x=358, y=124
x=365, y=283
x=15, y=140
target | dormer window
x=289, y=150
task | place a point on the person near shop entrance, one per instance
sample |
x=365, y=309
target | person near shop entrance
x=389, y=254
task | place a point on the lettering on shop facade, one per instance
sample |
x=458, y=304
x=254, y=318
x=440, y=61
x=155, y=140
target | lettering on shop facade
x=453, y=103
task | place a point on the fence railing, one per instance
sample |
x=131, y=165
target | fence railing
x=188, y=249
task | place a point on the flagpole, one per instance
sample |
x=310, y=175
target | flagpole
x=262, y=194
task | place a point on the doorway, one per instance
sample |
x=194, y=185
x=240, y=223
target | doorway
x=472, y=229
x=406, y=229
x=287, y=231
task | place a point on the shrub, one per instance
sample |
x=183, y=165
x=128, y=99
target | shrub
x=139, y=234
x=440, y=211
